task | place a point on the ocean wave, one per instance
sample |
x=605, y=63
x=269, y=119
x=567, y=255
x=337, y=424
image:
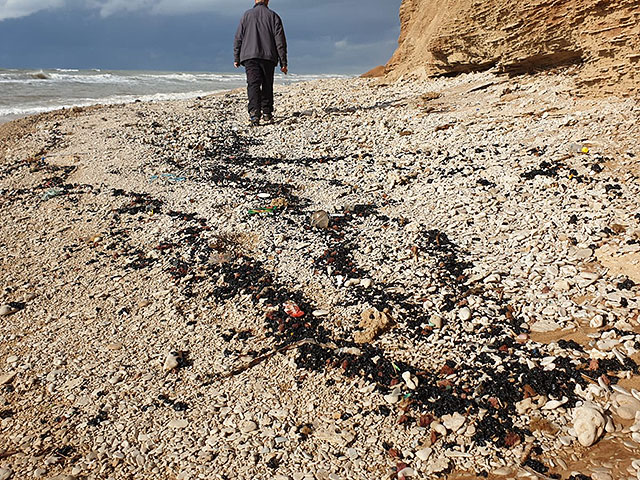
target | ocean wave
x=94, y=77
x=17, y=111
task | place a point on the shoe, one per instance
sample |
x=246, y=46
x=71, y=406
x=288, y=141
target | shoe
x=267, y=118
x=254, y=121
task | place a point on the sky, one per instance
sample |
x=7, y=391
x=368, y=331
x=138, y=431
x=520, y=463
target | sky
x=324, y=36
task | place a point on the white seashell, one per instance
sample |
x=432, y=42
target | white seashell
x=619, y=389
x=603, y=384
x=621, y=358
x=553, y=404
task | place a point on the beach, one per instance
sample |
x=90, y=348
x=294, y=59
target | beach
x=420, y=279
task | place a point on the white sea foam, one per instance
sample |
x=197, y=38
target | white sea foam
x=120, y=99
x=26, y=92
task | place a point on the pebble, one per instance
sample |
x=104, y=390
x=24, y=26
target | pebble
x=583, y=254
x=454, y=421
x=436, y=321
x=424, y=454
x=171, y=362
x=601, y=476
x=503, y=472
x=178, y=423
x=589, y=425
x=248, y=426
x=406, y=472
x=439, y=465
x=410, y=380
x=464, y=314
x=6, y=310
x=7, y=378
x=6, y=473
x=597, y=322
x=320, y=219
x=320, y=313
x=12, y=359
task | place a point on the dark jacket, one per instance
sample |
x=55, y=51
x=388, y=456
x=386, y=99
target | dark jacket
x=260, y=35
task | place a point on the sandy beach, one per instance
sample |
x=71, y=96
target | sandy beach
x=420, y=279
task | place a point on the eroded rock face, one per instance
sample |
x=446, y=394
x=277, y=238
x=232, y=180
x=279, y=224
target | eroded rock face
x=602, y=37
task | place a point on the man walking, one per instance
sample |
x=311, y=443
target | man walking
x=259, y=45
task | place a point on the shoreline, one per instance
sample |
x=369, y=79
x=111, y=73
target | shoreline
x=148, y=278
x=50, y=90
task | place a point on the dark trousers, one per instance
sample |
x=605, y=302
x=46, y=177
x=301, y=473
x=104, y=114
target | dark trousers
x=260, y=86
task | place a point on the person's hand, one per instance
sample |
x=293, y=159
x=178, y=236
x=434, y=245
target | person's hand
x=236, y=64
x=284, y=69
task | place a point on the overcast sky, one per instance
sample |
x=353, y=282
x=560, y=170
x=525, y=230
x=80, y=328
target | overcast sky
x=332, y=36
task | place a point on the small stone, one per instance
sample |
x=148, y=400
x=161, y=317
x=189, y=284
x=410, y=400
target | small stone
x=6, y=473
x=464, y=314
x=583, y=254
x=6, y=310
x=503, y=472
x=406, y=472
x=589, y=425
x=248, y=426
x=114, y=346
x=320, y=219
x=627, y=406
x=424, y=454
x=366, y=283
x=411, y=381
x=29, y=297
x=439, y=428
x=178, y=423
x=391, y=398
x=12, y=359
x=436, y=321
x=493, y=278
x=7, y=378
x=439, y=465
x=320, y=313
x=171, y=362
x=601, y=476
x=453, y=422
x=597, y=322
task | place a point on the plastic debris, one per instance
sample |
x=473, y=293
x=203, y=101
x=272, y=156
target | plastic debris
x=292, y=310
x=169, y=177
x=52, y=193
x=263, y=210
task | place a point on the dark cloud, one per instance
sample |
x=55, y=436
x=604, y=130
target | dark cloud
x=337, y=36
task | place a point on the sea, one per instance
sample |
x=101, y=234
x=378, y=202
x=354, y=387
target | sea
x=27, y=92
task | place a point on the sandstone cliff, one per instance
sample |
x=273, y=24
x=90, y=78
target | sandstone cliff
x=602, y=37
